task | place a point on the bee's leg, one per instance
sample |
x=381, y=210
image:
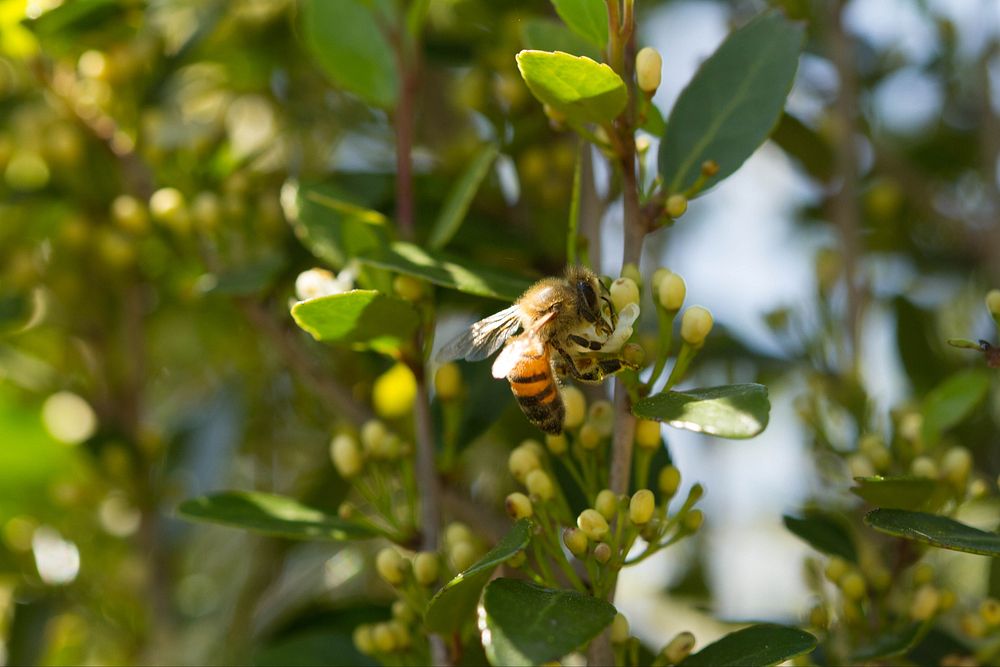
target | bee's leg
x=612, y=365
x=591, y=373
x=586, y=343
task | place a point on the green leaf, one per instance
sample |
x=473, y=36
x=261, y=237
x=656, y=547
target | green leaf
x=364, y=318
x=77, y=16
x=952, y=401
x=457, y=204
x=763, y=644
x=348, y=43
x=907, y=493
x=824, y=532
x=545, y=35
x=453, y=273
x=731, y=411
x=587, y=18
x=733, y=102
x=584, y=90
x=16, y=310
x=654, y=123
x=892, y=644
x=965, y=344
x=269, y=514
x=573, y=225
x=456, y=601
x=805, y=145
x=935, y=530
x=251, y=278
x=527, y=624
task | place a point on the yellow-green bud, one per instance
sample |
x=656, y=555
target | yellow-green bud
x=925, y=603
x=679, y=648
x=593, y=524
x=314, y=283
x=695, y=325
x=989, y=610
x=947, y=599
x=693, y=521
x=640, y=508
x=658, y=277
x=425, y=568
x=671, y=292
x=633, y=354
x=535, y=446
x=669, y=480
x=956, y=465
x=860, y=465
x=556, y=444
x=363, y=640
x=167, y=206
x=677, y=205
x=345, y=510
x=602, y=416
x=696, y=492
x=602, y=553
x=923, y=573
x=576, y=541
x=403, y=611
x=463, y=555
x=623, y=292
x=130, y=214
x=853, y=585
x=522, y=461
x=978, y=488
x=394, y=392
x=390, y=566
x=383, y=638
x=206, y=211
x=346, y=455
x=408, y=288
x=590, y=437
x=448, y=382
x=993, y=302
x=818, y=618
x=401, y=634
x=607, y=504
x=835, y=569
x=456, y=532
x=924, y=466
x=647, y=434
x=518, y=559
x=709, y=168
x=540, y=485
x=972, y=625
x=518, y=506
x=631, y=271
x=648, y=65
x=576, y=407
x=619, y=629
x=373, y=433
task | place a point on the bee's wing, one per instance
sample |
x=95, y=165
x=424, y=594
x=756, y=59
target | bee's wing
x=483, y=338
x=508, y=357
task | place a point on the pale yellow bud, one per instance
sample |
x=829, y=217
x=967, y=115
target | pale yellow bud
x=853, y=585
x=602, y=416
x=448, y=382
x=593, y=524
x=463, y=555
x=425, y=568
x=576, y=407
x=556, y=444
x=346, y=455
x=679, y=648
x=669, y=480
x=619, y=629
x=383, y=638
x=129, y=214
x=631, y=271
x=394, y=392
x=607, y=504
x=925, y=603
x=641, y=506
x=403, y=611
x=590, y=437
x=993, y=302
x=658, y=277
x=924, y=466
x=522, y=461
x=695, y=325
x=818, y=618
x=408, y=288
x=363, y=640
x=671, y=292
x=647, y=434
x=648, y=66
x=623, y=292
x=956, y=465
x=457, y=532
x=373, y=434
x=389, y=565
x=602, y=553
x=540, y=485
x=835, y=569
x=693, y=521
x=167, y=206
x=677, y=205
x=401, y=634
x=518, y=506
x=989, y=610
x=576, y=541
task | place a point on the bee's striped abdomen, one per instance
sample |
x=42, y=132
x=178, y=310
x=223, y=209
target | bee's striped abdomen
x=535, y=389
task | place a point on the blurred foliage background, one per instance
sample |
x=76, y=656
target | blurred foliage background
x=147, y=265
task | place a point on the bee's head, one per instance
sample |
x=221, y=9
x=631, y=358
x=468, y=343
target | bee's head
x=588, y=290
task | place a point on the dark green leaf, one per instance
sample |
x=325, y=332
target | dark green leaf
x=453, y=273
x=587, y=18
x=952, y=401
x=76, y=16
x=457, y=204
x=456, y=601
x=733, y=102
x=365, y=318
x=527, y=624
x=892, y=643
x=935, y=530
x=824, y=532
x=314, y=648
x=757, y=645
x=16, y=311
x=908, y=493
x=731, y=411
x=244, y=280
x=805, y=145
x=544, y=35
x=347, y=41
x=584, y=90
x=270, y=515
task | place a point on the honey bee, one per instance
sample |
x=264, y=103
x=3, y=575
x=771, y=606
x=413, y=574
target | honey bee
x=568, y=328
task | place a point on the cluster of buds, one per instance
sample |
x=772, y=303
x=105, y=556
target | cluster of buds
x=670, y=290
x=395, y=637
x=983, y=621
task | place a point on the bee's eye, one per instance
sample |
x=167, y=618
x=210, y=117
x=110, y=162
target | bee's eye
x=589, y=296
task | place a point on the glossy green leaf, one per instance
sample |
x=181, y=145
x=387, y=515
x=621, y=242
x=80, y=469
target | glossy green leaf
x=825, y=532
x=364, y=318
x=270, y=515
x=584, y=90
x=733, y=102
x=526, y=624
x=952, y=401
x=544, y=35
x=456, y=601
x=731, y=411
x=348, y=43
x=908, y=493
x=755, y=646
x=892, y=644
x=587, y=18
x=451, y=272
x=935, y=530
x=457, y=204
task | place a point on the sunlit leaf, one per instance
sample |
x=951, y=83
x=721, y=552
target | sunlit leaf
x=825, y=533
x=526, y=624
x=457, y=204
x=583, y=90
x=935, y=530
x=587, y=18
x=952, y=401
x=755, y=646
x=908, y=493
x=731, y=411
x=733, y=102
x=364, y=318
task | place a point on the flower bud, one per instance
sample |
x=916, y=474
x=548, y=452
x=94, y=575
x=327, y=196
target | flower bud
x=993, y=302
x=540, y=485
x=633, y=354
x=607, y=504
x=923, y=573
x=709, y=168
x=658, y=277
x=989, y=610
x=315, y=283
x=363, y=640
x=956, y=464
x=677, y=205
x=668, y=481
x=695, y=325
x=602, y=416
x=462, y=555
x=394, y=392
x=696, y=492
x=648, y=64
x=456, y=532
x=522, y=461
x=167, y=206
x=671, y=292
x=518, y=506
x=425, y=568
x=818, y=618
x=383, y=638
x=679, y=648
x=853, y=585
x=590, y=437
x=593, y=524
x=408, y=288
x=602, y=553
x=346, y=455
x=401, y=634
x=556, y=444
x=924, y=466
x=631, y=271
x=576, y=407
x=860, y=465
x=389, y=565
x=647, y=434
x=693, y=521
x=947, y=600
x=130, y=214
x=623, y=292
x=448, y=382
x=925, y=603
x=576, y=541
x=640, y=508
x=835, y=569
x=401, y=610
x=619, y=629
x=535, y=446
x=373, y=432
